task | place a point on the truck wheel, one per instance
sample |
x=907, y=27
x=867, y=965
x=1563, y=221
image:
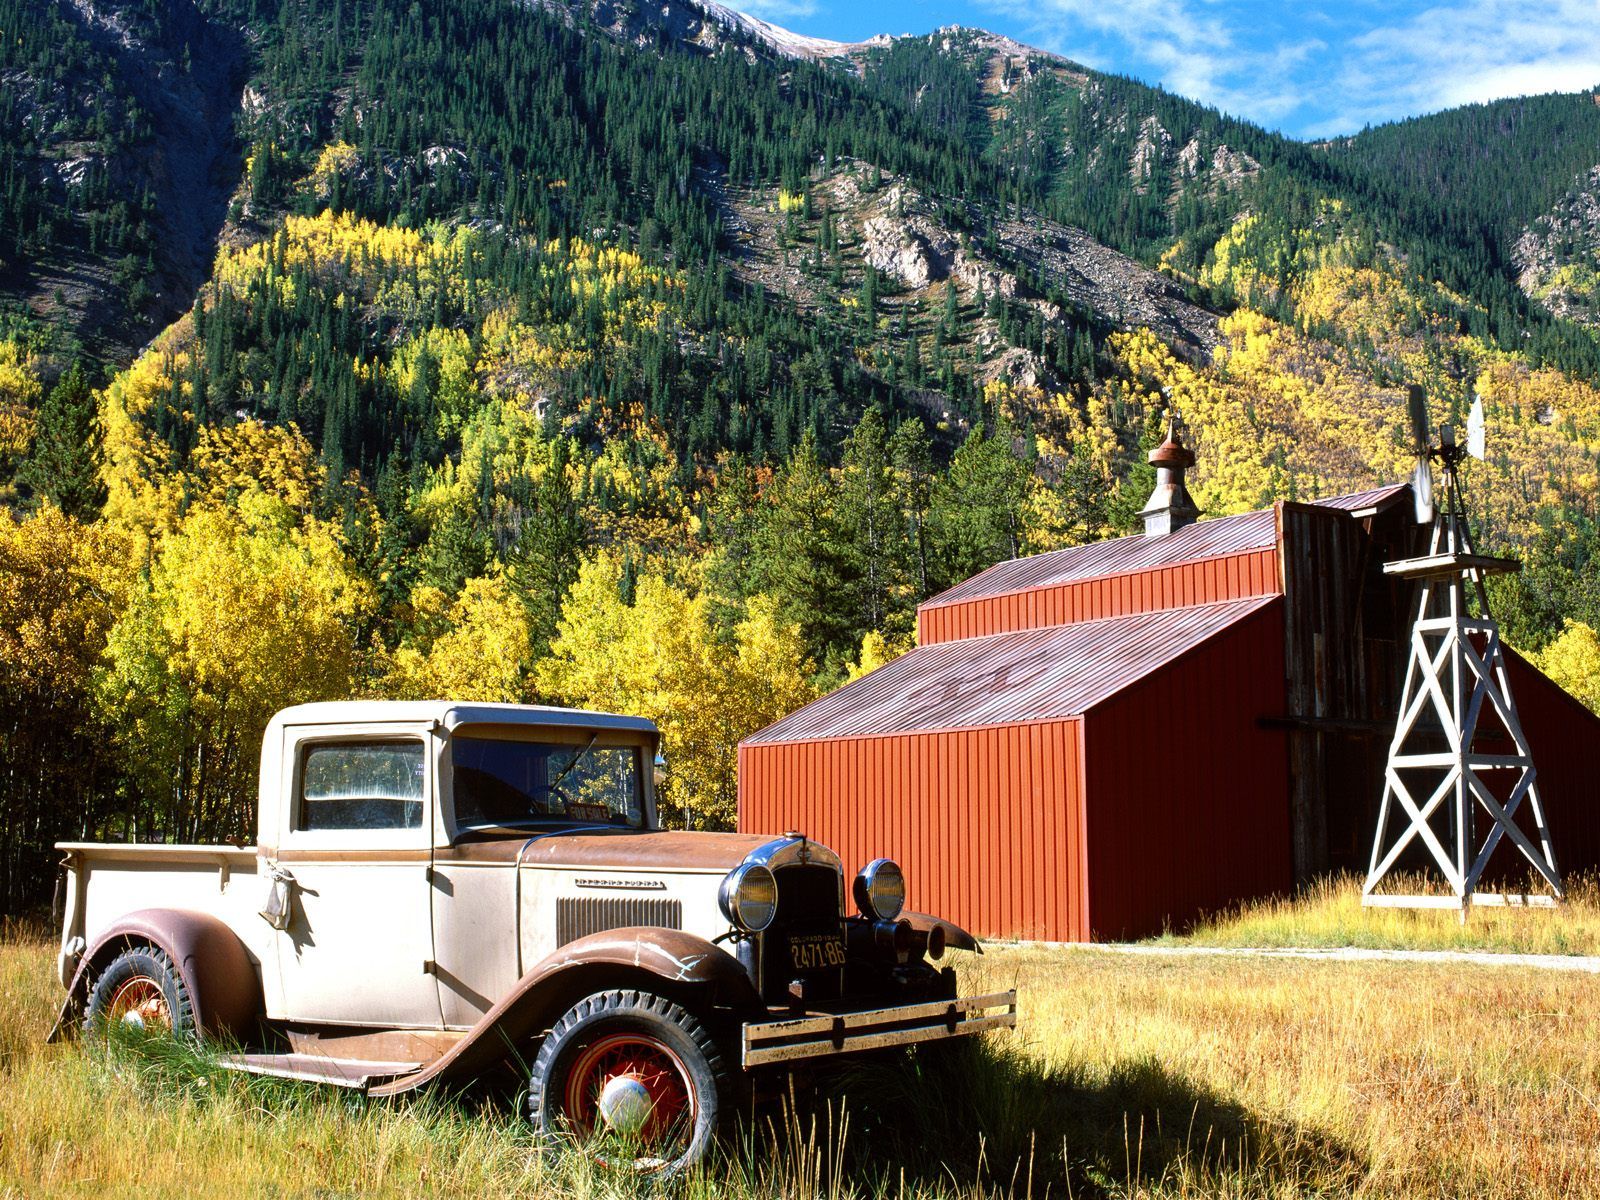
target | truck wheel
x=141, y=988
x=636, y=1067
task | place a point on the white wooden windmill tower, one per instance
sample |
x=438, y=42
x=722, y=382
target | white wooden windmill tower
x=1457, y=733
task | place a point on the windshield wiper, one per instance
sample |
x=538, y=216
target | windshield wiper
x=567, y=770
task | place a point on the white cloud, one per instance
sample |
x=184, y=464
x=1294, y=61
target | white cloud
x=1318, y=71
x=778, y=10
x=1189, y=46
x=1458, y=54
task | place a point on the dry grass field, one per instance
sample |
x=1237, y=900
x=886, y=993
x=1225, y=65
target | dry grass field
x=1329, y=913
x=1128, y=1077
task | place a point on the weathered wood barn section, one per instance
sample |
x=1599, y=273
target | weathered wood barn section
x=1100, y=741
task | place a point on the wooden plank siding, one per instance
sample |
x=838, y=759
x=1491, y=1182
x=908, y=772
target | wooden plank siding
x=1230, y=577
x=986, y=822
x=1321, y=556
x=1185, y=786
x=1345, y=628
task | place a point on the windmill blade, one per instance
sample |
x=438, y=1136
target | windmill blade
x=1417, y=402
x=1422, y=491
x=1475, y=429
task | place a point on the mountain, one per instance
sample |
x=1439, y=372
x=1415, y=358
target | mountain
x=652, y=357
x=699, y=25
x=483, y=329
x=1556, y=254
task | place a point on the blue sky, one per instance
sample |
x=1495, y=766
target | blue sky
x=1311, y=70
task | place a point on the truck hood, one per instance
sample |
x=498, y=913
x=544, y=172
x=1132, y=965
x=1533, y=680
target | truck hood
x=666, y=850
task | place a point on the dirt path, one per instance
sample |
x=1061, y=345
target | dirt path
x=1587, y=964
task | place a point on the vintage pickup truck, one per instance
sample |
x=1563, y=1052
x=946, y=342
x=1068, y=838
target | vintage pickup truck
x=442, y=892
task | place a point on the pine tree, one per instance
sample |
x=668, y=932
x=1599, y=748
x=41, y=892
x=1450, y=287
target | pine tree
x=64, y=465
x=872, y=526
x=911, y=453
x=798, y=557
x=544, y=562
x=455, y=552
x=976, y=511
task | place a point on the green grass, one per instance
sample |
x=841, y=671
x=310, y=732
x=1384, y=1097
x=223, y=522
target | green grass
x=1329, y=914
x=1127, y=1078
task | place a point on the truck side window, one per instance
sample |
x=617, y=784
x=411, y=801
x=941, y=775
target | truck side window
x=361, y=785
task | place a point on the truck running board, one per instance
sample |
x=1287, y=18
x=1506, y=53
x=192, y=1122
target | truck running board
x=358, y=1073
x=818, y=1035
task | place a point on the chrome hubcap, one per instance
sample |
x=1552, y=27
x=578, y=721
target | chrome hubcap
x=625, y=1104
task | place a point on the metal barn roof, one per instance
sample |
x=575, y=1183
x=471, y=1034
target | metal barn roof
x=1368, y=502
x=1205, y=539
x=1030, y=675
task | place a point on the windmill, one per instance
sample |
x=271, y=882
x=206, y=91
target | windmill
x=1456, y=709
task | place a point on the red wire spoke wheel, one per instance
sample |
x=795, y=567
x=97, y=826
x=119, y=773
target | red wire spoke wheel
x=659, y=1073
x=141, y=1002
x=141, y=987
x=635, y=1065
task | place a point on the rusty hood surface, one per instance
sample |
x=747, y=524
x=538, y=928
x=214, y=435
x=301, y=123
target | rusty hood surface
x=661, y=850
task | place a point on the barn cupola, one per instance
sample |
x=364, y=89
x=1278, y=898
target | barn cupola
x=1170, y=507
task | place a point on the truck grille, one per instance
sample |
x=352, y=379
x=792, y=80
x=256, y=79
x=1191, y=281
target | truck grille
x=579, y=916
x=808, y=905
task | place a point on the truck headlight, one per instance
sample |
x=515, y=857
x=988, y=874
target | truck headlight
x=880, y=890
x=749, y=897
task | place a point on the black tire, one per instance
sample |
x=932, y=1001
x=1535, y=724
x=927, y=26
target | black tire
x=646, y=1020
x=142, y=987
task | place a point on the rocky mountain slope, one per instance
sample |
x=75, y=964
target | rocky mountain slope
x=1557, y=256
x=952, y=225
x=921, y=247
x=126, y=114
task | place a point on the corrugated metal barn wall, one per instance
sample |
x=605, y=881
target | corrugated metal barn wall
x=1187, y=788
x=1565, y=739
x=987, y=823
x=1254, y=573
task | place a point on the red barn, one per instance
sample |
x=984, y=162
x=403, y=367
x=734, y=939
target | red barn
x=1105, y=740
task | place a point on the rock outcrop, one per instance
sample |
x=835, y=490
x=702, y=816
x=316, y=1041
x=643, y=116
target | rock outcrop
x=1557, y=257
x=910, y=247
x=909, y=239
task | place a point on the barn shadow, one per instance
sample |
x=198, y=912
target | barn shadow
x=989, y=1118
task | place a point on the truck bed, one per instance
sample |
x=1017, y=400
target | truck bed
x=108, y=880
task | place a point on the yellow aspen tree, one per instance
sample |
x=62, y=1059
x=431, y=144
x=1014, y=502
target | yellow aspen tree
x=61, y=586
x=1573, y=661
x=244, y=612
x=877, y=650
x=661, y=657
x=20, y=393
x=480, y=648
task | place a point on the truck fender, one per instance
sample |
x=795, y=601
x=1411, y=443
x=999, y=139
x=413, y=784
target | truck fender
x=218, y=972
x=662, y=960
x=955, y=937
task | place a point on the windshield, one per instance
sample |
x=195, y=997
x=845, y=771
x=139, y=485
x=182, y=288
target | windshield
x=500, y=782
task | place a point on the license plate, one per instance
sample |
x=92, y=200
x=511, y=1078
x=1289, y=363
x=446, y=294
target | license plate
x=816, y=951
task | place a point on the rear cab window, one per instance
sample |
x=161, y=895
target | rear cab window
x=362, y=788
x=361, y=785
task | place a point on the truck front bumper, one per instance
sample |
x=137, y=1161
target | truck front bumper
x=821, y=1035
